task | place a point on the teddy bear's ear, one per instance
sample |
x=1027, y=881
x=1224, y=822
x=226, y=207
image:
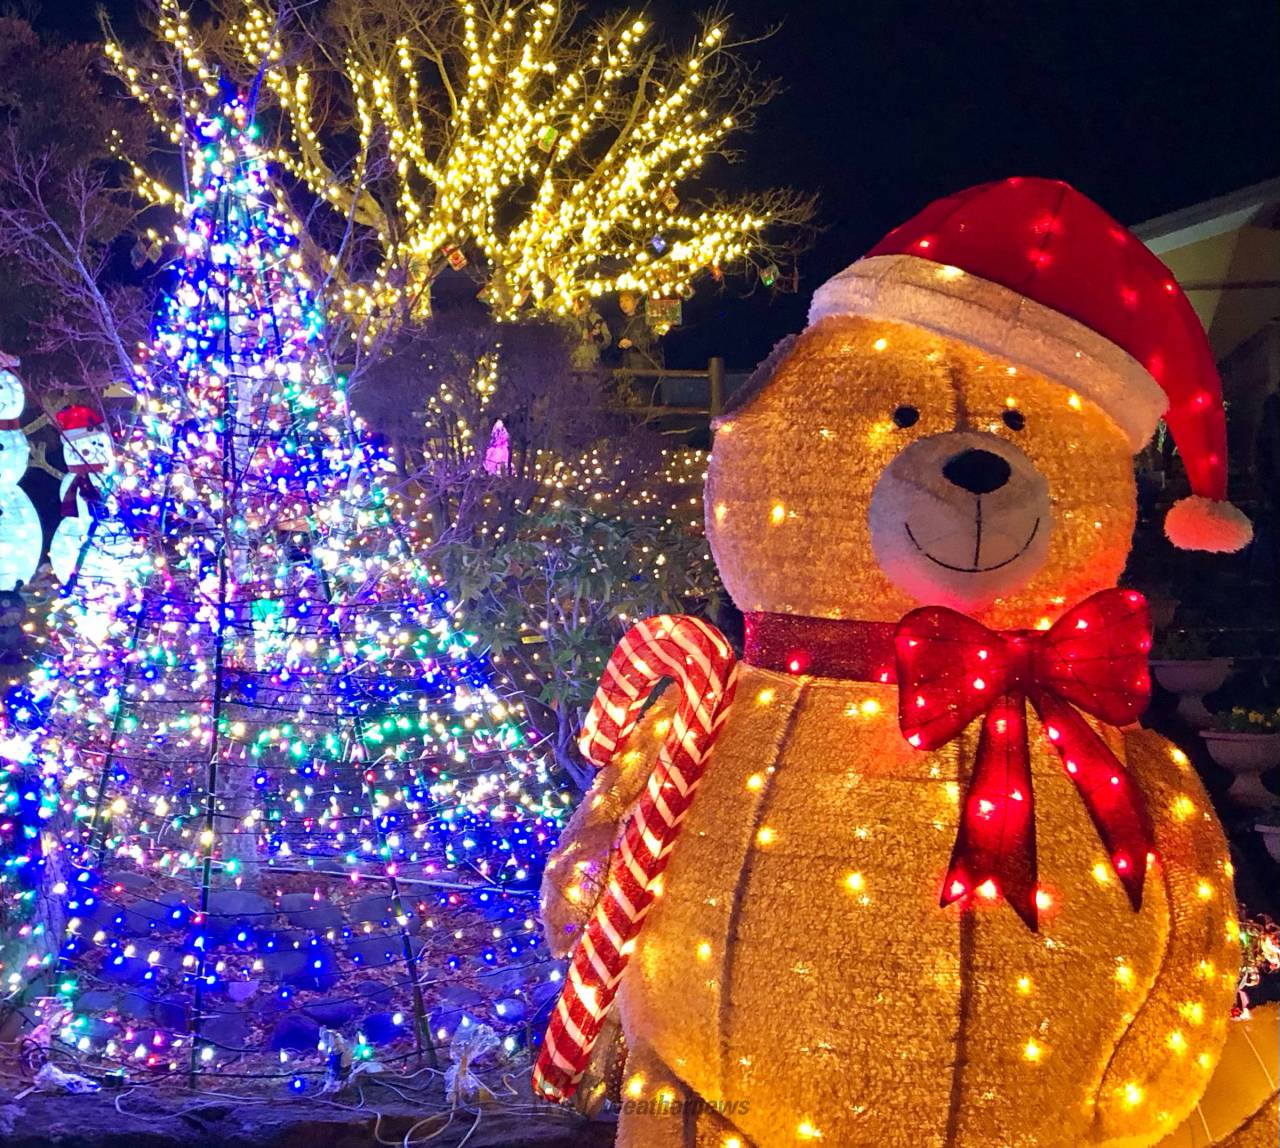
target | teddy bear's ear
x=759, y=379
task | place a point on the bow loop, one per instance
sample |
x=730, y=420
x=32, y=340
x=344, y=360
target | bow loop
x=952, y=670
x=1095, y=656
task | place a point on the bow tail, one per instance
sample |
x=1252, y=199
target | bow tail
x=996, y=842
x=1108, y=790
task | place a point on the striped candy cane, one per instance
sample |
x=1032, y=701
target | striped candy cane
x=698, y=659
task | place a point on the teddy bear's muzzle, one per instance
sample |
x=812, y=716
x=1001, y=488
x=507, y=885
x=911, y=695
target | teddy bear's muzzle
x=960, y=518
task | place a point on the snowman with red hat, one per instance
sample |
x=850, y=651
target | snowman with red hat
x=88, y=544
x=20, y=536
x=89, y=455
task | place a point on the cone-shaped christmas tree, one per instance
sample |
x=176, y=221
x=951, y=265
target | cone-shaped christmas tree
x=286, y=800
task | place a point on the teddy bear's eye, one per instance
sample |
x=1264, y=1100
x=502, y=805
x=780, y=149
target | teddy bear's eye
x=906, y=416
x=1014, y=420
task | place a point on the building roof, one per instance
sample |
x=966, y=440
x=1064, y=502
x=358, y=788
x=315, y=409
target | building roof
x=1225, y=252
x=1210, y=218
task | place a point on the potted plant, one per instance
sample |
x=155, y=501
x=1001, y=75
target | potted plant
x=1184, y=666
x=1247, y=743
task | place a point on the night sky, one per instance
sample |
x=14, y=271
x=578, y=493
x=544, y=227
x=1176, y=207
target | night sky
x=1144, y=106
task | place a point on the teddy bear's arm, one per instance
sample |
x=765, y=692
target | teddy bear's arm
x=578, y=867
x=1186, y=1013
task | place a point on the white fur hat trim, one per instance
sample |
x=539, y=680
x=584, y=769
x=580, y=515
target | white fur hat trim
x=952, y=302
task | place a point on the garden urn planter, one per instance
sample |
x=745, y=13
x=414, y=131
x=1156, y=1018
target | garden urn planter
x=1246, y=756
x=1270, y=835
x=1191, y=680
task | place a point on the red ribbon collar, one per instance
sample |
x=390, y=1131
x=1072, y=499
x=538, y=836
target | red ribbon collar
x=952, y=670
x=823, y=647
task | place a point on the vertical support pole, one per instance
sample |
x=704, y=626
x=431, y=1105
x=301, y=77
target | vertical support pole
x=230, y=426
x=210, y=814
x=715, y=376
x=421, y=1030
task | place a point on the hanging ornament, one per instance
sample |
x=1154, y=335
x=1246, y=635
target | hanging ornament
x=147, y=249
x=670, y=200
x=663, y=314
x=658, y=243
x=547, y=138
x=769, y=275
x=456, y=257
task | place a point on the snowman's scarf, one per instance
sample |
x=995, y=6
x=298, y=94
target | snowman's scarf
x=698, y=659
x=81, y=485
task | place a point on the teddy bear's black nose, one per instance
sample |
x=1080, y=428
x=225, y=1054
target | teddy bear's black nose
x=977, y=471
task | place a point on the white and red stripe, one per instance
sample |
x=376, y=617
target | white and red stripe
x=697, y=657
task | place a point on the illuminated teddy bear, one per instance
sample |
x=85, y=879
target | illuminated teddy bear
x=936, y=887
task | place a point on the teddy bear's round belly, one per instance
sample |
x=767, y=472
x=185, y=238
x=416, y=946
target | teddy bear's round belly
x=798, y=962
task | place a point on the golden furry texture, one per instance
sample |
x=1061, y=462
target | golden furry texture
x=768, y=972
x=797, y=961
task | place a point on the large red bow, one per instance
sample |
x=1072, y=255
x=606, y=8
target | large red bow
x=952, y=669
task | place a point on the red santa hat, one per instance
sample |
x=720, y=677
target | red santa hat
x=77, y=421
x=1039, y=274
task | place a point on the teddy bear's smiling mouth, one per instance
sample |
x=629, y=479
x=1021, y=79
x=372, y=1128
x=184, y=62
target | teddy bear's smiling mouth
x=977, y=546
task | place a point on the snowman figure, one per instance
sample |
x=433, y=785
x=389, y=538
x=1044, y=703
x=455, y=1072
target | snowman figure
x=89, y=545
x=20, y=536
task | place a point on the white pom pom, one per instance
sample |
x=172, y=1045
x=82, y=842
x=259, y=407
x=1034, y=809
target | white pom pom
x=1196, y=523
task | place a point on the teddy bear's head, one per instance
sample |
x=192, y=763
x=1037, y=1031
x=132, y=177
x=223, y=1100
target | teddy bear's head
x=938, y=436
x=881, y=466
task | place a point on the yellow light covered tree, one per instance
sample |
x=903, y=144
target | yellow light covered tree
x=554, y=158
